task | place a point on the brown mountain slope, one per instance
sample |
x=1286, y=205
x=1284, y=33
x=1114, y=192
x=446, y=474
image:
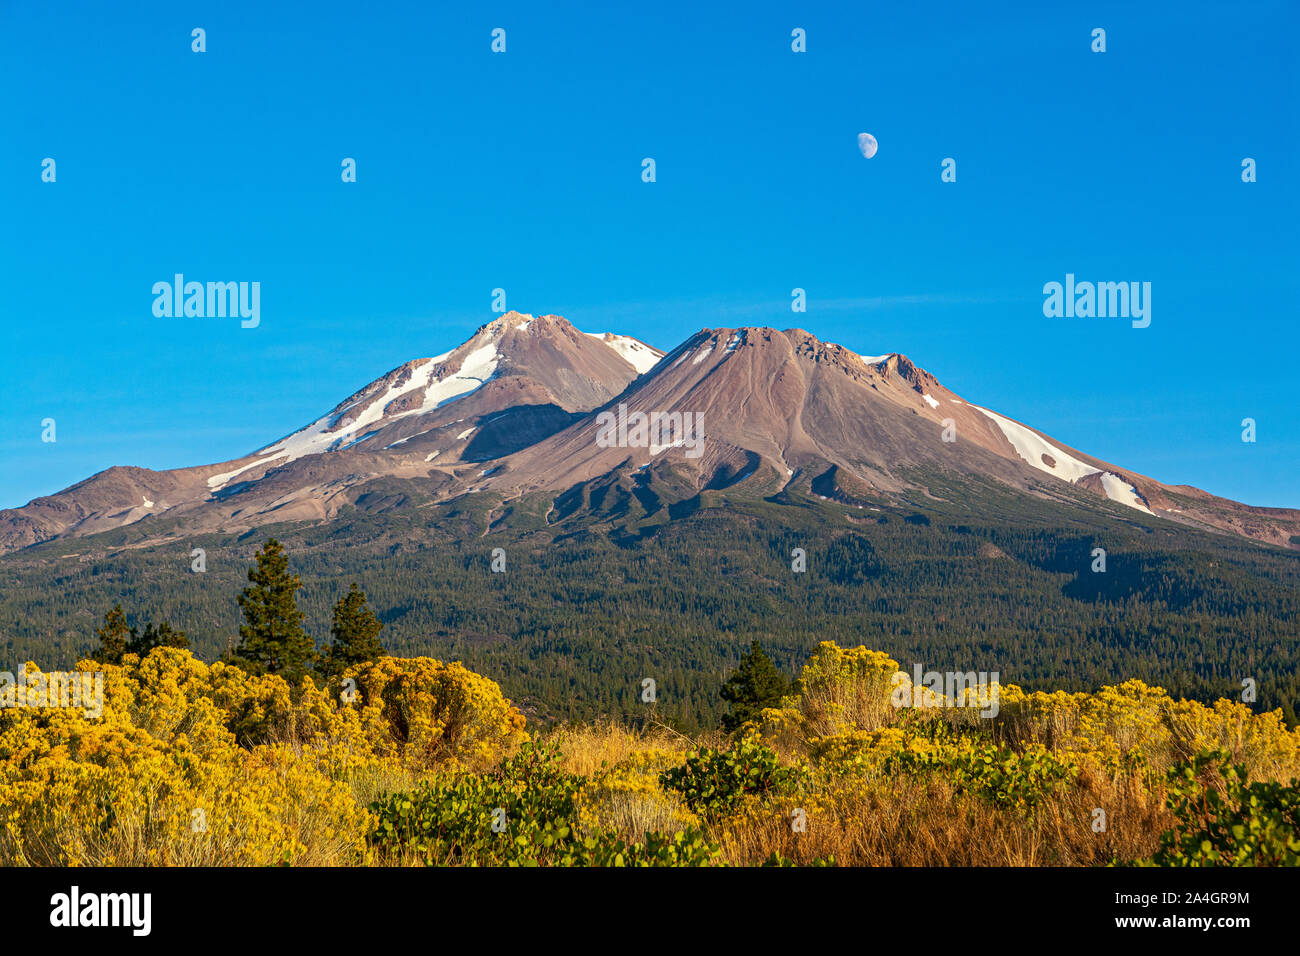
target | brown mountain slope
x=516, y=380
x=532, y=405
x=776, y=407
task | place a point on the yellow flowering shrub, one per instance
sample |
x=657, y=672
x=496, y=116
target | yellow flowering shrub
x=1135, y=724
x=257, y=708
x=839, y=690
x=428, y=714
x=858, y=751
x=1049, y=719
x=1260, y=742
x=194, y=763
x=204, y=764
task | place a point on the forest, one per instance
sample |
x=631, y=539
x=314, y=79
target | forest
x=590, y=606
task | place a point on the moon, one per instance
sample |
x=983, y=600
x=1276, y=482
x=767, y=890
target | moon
x=867, y=144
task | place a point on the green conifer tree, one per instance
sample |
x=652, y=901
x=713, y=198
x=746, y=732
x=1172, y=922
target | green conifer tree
x=272, y=639
x=164, y=635
x=115, y=637
x=757, y=683
x=355, y=635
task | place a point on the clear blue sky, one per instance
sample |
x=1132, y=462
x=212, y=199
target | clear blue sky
x=523, y=171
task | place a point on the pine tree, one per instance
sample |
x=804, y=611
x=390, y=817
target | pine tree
x=272, y=639
x=755, y=684
x=115, y=637
x=355, y=635
x=164, y=635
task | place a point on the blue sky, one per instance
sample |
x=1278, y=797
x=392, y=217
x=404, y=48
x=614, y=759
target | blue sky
x=523, y=171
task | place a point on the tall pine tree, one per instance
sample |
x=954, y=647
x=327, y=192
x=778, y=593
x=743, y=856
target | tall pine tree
x=272, y=639
x=757, y=683
x=115, y=637
x=355, y=635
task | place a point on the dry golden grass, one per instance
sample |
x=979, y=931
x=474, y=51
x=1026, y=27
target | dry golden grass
x=634, y=814
x=925, y=821
x=587, y=749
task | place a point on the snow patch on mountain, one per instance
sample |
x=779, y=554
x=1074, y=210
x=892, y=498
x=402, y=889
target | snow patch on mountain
x=477, y=368
x=218, y=481
x=658, y=449
x=403, y=441
x=637, y=354
x=357, y=441
x=1117, y=489
x=323, y=435
x=1043, y=455
x=1032, y=447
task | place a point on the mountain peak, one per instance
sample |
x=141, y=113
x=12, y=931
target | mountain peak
x=772, y=410
x=512, y=320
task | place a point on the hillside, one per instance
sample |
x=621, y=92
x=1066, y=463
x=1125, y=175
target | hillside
x=594, y=601
x=934, y=528
x=528, y=405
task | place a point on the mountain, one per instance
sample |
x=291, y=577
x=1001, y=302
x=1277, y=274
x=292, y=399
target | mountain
x=531, y=409
x=662, y=551
x=782, y=408
x=516, y=380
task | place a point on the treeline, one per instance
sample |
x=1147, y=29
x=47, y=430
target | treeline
x=580, y=618
x=272, y=639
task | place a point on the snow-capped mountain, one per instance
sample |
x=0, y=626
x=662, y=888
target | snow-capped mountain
x=776, y=406
x=516, y=362
x=528, y=406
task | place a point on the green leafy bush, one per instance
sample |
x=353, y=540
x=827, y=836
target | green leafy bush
x=1225, y=821
x=522, y=814
x=713, y=782
x=1002, y=776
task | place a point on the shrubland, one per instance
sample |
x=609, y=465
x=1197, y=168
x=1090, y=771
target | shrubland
x=422, y=762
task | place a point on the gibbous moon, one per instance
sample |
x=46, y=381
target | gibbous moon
x=867, y=143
